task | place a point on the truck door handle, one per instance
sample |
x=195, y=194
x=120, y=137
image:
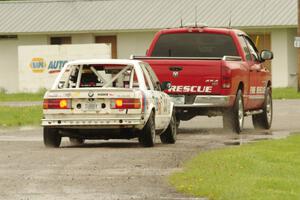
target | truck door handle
x=175, y=68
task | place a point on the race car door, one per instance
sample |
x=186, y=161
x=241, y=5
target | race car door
x=160, y=98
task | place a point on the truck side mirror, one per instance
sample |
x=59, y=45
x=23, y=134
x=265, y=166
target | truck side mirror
x=165, y=85
x=266, y=55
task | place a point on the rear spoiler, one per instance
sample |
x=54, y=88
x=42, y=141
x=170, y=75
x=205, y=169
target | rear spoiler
x=226, y=58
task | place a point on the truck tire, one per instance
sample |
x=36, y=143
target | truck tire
x=264, y=119
x=233, y=118
x=169, y=136
x=52, y=138
x=147, y=136
x=76, y=141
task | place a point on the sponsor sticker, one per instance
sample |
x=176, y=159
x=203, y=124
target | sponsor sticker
x=38, y=65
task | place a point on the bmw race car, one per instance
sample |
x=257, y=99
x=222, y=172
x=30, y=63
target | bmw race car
x=108, y=99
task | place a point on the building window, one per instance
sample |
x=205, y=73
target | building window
x=60, y=40
x=8, y=37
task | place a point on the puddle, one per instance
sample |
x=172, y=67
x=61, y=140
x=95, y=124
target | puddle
x=247, y=138
x=232, y=143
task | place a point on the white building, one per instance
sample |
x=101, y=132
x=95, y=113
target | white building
x=129, y=25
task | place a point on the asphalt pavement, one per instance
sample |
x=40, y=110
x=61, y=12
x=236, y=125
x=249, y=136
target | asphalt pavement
x=119, y=169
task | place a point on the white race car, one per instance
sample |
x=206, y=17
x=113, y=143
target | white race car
x=108, y=99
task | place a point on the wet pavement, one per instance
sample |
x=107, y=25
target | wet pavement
x=119, y=169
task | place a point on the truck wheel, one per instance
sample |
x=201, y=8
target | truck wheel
x=51, y=137
x=169, y=136
x=264, y=119
x=76, y=141
x=148, y=135
x=233, y=119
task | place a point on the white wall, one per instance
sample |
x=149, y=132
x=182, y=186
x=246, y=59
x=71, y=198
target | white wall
x=292, y=59
x=9, y=59
x=39, y=65
x=280, y=61
x=83, y=38
x=133, y=43
x=284, y=64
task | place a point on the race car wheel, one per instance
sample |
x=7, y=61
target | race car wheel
x=169, y=136
x=76, y=141
x=147, y=136
x=264, y=119
x=233, y=119
x=52, y=138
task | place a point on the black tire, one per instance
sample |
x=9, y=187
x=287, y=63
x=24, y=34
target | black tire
x=76, y=141
x=233, y=118
x=148, y=135
x=264, y=119
x=169, y=136
x=52, y=138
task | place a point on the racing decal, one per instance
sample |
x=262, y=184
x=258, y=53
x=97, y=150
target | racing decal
x=59, y=95
x=191, y=88
x=144, y=102
x=157, y=104
x=257, y=90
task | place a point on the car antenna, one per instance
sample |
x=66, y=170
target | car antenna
x=181, y=24
x=196, y=10
x=229, y=23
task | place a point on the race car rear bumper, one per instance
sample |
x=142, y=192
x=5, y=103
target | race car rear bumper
x=208, y=101
x=93, y=122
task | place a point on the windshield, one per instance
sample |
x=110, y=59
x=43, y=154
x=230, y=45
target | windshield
x=84, y=76
x=194, y=45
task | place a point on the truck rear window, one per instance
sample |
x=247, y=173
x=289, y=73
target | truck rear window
x=194, y=45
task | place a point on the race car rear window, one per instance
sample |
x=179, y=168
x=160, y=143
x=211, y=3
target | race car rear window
x=82, y=76
x=194, y=45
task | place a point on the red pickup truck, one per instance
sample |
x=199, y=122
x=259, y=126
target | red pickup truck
x=213, y=72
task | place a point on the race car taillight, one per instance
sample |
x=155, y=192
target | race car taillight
x=57, y=104
x=226, y=77
x=126, y=104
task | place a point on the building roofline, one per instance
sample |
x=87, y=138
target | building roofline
x=95, y=32
x=48, y=1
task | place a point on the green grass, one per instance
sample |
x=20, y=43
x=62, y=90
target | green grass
x=285, y=93
x=20, y=116
x=5, y=97
x=267, y=170
x=278, y=93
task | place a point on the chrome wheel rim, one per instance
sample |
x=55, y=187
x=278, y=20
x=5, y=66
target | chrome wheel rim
x=269, y=109
x=241, y=113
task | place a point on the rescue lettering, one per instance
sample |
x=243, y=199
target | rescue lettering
x=191, y=89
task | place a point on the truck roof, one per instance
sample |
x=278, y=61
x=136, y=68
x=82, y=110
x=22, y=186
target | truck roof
x=202, y=29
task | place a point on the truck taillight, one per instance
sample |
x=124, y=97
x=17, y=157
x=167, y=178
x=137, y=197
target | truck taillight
x=126, y=104
x=226, y=77
x=57, y=104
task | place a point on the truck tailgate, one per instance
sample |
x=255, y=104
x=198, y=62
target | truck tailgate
x=189, y=76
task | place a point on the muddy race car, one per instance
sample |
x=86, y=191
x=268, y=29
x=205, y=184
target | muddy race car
x=108, y=99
